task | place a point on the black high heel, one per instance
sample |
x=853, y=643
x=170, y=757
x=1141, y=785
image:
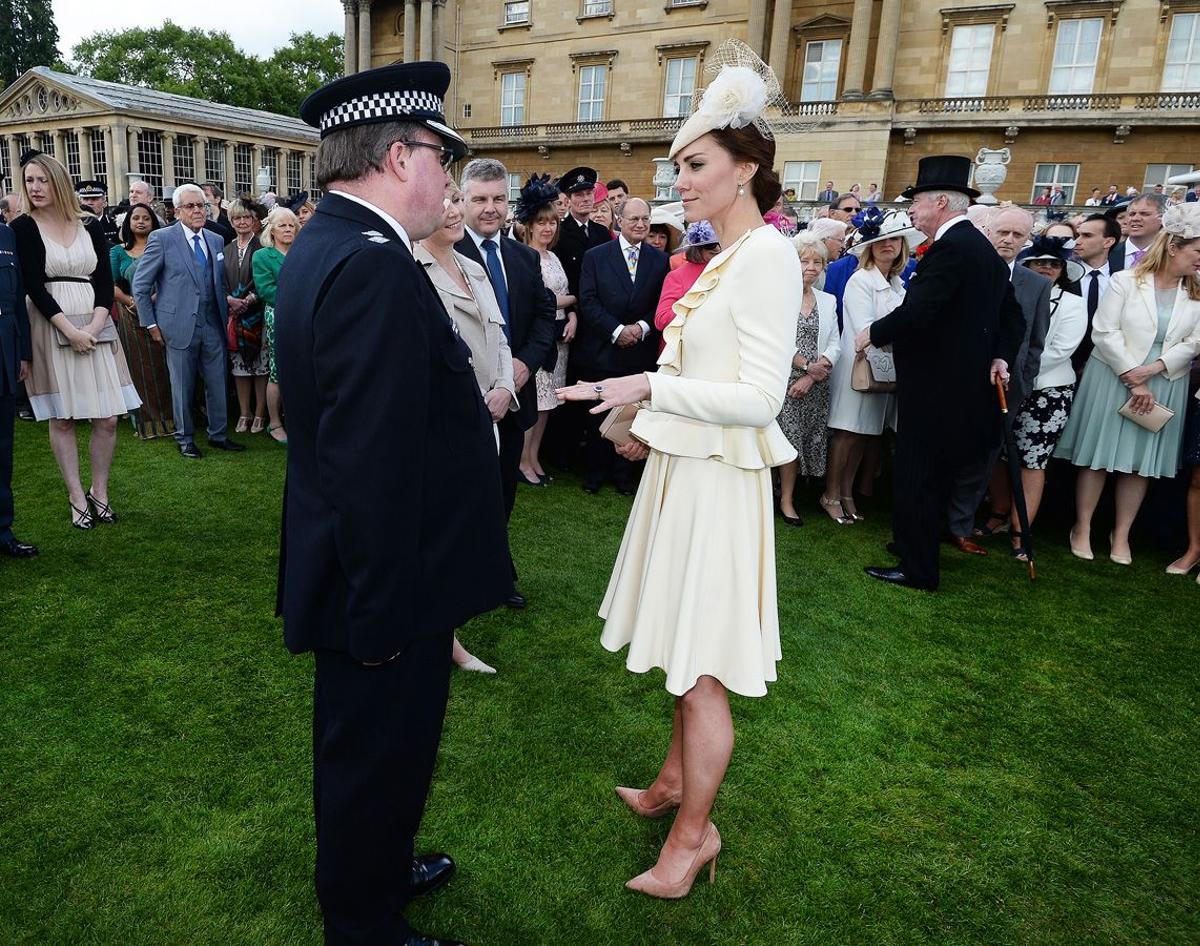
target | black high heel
x=1019, y=552
x=82, y=518
x=101, y=512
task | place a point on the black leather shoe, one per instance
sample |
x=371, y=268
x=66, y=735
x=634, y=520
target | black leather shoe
x=891, y=549
x=227, y=445
x=190, y=450
x=894, y=576
x=15, y=548
x=25, y=413
x=420, y=939
x=591, y=487
x=516, y=601
x=626, y=489
x=429, y=872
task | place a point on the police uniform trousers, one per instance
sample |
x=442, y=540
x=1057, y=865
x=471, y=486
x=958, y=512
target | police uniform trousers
x=8, y=413
x=375, y=741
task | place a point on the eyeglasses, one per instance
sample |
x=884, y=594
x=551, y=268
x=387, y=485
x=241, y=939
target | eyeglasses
x=193, y=206
x=446, y=158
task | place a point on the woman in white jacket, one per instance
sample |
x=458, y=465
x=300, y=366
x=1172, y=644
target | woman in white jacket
x=1043, y=414
x=883, y=243
x=804, y=417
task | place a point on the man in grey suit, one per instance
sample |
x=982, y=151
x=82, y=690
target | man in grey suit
x=1009, y=231
x=184, y=264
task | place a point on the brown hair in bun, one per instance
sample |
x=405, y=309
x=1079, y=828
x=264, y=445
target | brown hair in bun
x=749, y=144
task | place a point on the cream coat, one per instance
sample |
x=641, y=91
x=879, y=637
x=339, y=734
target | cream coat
x=1068, y=323
x=829, y=340
x=478, y=319
x=1126, y=324
x=728, y=352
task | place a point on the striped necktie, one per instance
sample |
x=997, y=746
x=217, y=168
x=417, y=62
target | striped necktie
x=631, y=262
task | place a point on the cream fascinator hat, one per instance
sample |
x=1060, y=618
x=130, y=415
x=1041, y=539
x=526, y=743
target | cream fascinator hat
x=741, y=88
x=1182, y=220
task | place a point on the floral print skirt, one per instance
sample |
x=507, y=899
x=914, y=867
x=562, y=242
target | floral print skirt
x=1039, y=424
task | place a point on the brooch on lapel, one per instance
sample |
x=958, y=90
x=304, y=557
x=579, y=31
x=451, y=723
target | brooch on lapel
x=375, y=236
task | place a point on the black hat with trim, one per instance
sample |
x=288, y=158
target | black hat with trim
x=943, y=172
x=578, y=179
x=91, y=189
x=402, y=92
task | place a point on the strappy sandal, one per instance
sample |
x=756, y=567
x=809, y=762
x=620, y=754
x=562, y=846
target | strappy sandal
x=851, y=513
x=82, y=518
x=986, y=531
x=256, y=427
x=1019, y=552
x=101, y=512
x=843, y=519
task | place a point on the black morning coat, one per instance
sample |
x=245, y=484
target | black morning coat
x=608, y=298
x=573, y=241
x=959, y=313
x=393, y=522
x=531, y=312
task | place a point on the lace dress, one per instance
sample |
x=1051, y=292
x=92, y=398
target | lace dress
x=555, y=278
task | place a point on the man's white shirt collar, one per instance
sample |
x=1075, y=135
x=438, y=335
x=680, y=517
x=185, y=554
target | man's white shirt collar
x=188, y=233
x=626, y=246
x=479, y=239
x=392, y=221
x=941, y=231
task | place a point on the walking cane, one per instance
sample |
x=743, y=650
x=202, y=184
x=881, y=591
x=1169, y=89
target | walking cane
x=1018, y=488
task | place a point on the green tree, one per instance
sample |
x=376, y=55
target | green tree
x=207, y=65
x=28, y=37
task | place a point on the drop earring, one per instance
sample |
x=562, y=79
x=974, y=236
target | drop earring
x=741, y=189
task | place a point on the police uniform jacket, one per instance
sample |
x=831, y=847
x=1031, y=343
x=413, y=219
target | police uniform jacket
x=15, y=345
x=393, y=523
x=573, y=241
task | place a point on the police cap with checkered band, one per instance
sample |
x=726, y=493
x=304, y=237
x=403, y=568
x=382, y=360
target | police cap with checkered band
x=402, y=92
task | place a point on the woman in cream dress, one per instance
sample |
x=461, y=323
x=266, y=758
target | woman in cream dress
x=693, y=590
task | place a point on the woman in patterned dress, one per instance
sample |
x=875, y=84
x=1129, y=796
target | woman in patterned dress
x=805, y=413
x=68, y=279
x=249, y=360
x=277, y=236
x=537, y=213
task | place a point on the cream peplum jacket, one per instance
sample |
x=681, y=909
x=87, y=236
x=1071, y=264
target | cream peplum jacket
x=724, y=370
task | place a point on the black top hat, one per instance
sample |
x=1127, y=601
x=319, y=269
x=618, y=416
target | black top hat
x=91, y=189
x=402, y=92
x=943, y=172
x=578, y=179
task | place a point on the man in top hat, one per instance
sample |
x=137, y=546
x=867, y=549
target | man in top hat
x=393, y=522
x=578, y=233
x=93, y=197
x=954, y=335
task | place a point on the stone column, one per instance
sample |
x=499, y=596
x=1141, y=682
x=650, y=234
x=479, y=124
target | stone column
x=856, y=57
x=281, y=183
x=256, y=160
x=305, y=171
x=426, y=51
x=118, y=161
x=781, y=28
x=885, y=50
x=439, y=14
x=135, y=165
x=757, y=24
x=410, y=30
x=230, y=175
x=364, y=35
x=84, y=136
x=199, y=155
x=60, y=145
x=167, y=144
x=351, y=31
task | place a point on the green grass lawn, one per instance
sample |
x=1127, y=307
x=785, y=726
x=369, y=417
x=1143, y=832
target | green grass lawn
x=998, y=763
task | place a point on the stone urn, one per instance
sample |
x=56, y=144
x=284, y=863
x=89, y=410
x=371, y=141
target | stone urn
x=664, y=180
x=991, y=169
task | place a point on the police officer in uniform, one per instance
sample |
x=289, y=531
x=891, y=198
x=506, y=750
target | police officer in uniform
x=578, y=233
x=393, y=523
x=93, y=198
x=16, y=353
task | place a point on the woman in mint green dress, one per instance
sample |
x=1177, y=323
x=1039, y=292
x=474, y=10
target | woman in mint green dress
x=278, y=233
x=1146, y=332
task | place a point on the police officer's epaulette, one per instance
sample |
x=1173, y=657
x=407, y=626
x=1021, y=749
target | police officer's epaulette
x=374, y=236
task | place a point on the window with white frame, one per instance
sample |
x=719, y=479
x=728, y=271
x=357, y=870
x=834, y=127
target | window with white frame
x=183, y=158
x=802, y=177
x=99, y=154
x=516, y=12
x=1076, y=51
x=270, y=160
x=681, y=85
x=1181, y=70
x=514, y=187
x=970, y=60
x=512, y=98
x=597, y=7
x=592, y=81
x=150, y=159
x=822, y=60
x=214, y=162
x=243, y=172
x=294, y=183
x=5, y=166
x=1055, y=175
x=1158, y=174
x=71, y=144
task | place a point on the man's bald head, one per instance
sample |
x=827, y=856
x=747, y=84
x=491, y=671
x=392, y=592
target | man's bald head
x=1009, y=230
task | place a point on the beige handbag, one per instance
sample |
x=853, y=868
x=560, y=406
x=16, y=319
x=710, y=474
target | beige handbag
x=1154, y=421
x=873, y=372
x=106, y=334
x=617, y=425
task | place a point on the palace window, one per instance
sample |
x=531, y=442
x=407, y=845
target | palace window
x=270, y=160
x=293, y=172
x=802, y=177
x=99, y=155
x=150, y=159
x=1065, y=176
x=5, y=166
x=1158, y=174
x=214, y=162
x=243, y=174
x=1076, y=51
x=681, y=85
x=822, y=60
x=516, y=12
x=1181, y=71
x=184, y=158
x=512, y=98
x=47, y=143
x=597, y=7
x=71, y=146
x=970, y=60
x=514, y=187
x=592, y=81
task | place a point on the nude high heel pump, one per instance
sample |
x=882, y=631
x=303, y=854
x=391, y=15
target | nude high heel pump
x=651, y=885
x=633, y=798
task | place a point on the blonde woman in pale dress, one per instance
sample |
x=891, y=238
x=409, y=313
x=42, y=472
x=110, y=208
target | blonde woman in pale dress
x=66, y=272
x=693, y=589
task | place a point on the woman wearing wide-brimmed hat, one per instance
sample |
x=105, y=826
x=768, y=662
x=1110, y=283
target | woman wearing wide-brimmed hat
x=1043, y=414
x=882, y=243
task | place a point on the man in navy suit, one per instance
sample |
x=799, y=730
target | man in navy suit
x=619, y=286
x=526, y=304
x=15, y=355
x=185, y=265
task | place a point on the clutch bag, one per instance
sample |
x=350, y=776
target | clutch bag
x=873, y=372
x=616, y=426
x=106, y=334
x=1154, y=421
